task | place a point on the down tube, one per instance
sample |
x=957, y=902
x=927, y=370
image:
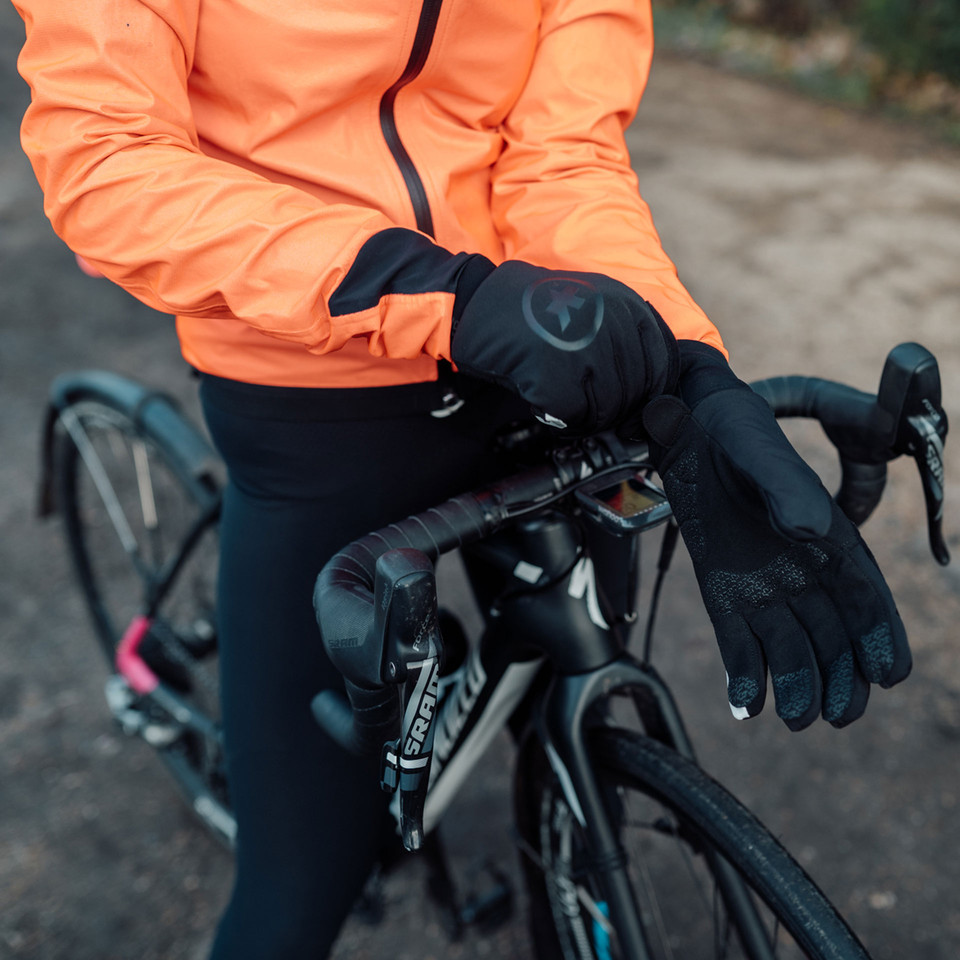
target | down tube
x=476, y=702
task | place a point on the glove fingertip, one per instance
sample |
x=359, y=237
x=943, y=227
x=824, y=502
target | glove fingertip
x=883, y=653
x=548, y=419
x=798, y=505
x=801, y=517
x=795, y=725
x=745, y=696
x=897, y=674
x=838, y=723
x=845, y=692
x=740, y=713
x=903, y=658
x=798, y=697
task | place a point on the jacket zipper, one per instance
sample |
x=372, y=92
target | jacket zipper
x=426, y=28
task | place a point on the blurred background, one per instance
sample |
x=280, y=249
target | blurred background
x=902, y=55
x=802, y=160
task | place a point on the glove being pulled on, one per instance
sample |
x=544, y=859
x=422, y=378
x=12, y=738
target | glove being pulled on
x=584, y=350
x=788, y=582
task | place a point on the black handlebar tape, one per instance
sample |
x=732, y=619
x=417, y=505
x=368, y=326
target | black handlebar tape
x=344, y=604
x=343, y=595
x=790, y=396
x=852, y=419
x=861, y=487
x=344, y=588
x=362, y=725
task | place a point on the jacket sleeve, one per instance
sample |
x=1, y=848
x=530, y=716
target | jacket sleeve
x=564, y=193
x=111, y=138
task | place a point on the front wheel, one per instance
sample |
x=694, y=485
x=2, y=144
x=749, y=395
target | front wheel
x=709, y=879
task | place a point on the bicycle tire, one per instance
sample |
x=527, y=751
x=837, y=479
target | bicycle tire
x=147, y=467
x=697, y=816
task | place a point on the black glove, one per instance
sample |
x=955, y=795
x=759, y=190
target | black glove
x=786, y=578
x=582, y=349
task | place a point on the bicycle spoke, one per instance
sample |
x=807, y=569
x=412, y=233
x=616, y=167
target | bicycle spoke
x=148, y=503
x=102, y=482
x=653, y=902
x=712, y=904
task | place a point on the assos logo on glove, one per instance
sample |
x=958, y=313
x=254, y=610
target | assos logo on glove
x=564, y=311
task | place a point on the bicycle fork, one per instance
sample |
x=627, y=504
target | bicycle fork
x=563, y=724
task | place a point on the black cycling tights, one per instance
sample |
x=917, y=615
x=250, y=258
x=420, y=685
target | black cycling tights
x=304, y=480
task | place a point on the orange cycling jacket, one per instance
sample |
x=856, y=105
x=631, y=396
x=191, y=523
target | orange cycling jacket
x=237, y=163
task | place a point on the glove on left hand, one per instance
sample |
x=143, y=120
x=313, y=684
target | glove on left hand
x=786, y=578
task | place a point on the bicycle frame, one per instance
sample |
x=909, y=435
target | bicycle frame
x=555, y=649
x=564, y=638
x=549, y=612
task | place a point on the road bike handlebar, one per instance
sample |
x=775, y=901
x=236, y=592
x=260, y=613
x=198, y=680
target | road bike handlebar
x=868, y=431
x=376, y=603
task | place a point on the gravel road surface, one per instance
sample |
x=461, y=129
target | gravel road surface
x=817, y=239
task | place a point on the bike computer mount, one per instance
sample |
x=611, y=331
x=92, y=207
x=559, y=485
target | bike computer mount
x=624, y=501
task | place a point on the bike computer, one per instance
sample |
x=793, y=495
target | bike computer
x=624, y=501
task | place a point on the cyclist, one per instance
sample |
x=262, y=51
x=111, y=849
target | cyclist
x=343, y=202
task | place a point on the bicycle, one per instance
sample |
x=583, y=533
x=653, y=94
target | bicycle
x=552, y=551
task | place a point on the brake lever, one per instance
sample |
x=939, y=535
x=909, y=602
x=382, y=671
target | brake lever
x=405, y=597
x=926, y=436
x=910, y=392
